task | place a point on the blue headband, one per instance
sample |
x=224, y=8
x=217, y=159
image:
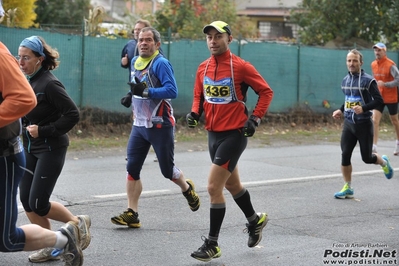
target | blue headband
x=34, y=44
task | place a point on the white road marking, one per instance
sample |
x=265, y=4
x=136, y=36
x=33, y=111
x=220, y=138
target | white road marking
x=305, y=178
x=124, y=194
x=273, y=181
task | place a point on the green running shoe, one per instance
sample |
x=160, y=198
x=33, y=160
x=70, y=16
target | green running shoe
x=208, y=251
x=255, y=231
x=346, y=192
x=388, y=170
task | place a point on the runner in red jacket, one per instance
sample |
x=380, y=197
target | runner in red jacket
x=220, y=91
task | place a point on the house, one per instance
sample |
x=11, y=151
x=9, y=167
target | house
x=271, y=17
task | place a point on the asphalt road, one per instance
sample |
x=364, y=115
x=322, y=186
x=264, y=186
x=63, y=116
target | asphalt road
x=293, y=184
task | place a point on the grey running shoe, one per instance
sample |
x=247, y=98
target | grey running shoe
x=84, y=227
x=128, y=217
x=42, y=255
x=209, y=250
x=255, y=231
x=192, y=196
x=72, y=254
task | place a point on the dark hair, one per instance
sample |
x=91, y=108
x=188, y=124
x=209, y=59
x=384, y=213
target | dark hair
x=227, y=29
x=354, y=51
x=50, y=62
x=155, y=33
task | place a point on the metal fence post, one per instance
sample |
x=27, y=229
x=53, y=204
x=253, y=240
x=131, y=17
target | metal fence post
x=298, y=74
x=239, y=45
x=169, y=39
x=82, y=66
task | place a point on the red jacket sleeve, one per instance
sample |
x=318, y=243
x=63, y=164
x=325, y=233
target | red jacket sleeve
x=261, y=87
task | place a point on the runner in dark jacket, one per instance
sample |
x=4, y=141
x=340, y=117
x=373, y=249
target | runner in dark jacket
x=46, y=141
x=16, y=100
x=361, y=97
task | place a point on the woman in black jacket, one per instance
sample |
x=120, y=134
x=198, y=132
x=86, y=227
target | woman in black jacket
x=46, y=141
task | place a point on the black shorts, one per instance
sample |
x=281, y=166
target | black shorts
x=392, y=108
x=225, y=148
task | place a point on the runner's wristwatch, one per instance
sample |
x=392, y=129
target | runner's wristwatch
x=255, y=119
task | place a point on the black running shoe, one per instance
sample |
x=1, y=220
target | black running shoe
x=209, y=250
x=255, y=231
x=128, y=217
x=192, y=196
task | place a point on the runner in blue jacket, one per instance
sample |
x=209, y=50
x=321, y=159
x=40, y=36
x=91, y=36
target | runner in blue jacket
x=361, y=97
x=152, y=87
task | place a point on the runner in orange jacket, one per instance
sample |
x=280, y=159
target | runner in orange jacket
x=386, y=74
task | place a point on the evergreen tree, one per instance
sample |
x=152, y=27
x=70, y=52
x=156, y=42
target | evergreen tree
x=62, y=12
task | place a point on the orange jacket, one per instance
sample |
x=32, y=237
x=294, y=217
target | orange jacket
x=232, y=114
x=15, y=89
x=382, y=71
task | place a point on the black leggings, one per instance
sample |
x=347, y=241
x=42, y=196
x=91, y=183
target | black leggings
x=38, y=182
x=351, y=134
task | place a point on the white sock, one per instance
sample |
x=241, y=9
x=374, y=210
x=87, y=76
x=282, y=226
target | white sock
x=61, y=241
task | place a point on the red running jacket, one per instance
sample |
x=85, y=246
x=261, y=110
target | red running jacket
x=232, y=114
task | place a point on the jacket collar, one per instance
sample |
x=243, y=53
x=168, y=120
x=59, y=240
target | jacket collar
x=222, y=56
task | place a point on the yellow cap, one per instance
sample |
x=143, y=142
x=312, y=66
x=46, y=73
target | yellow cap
x=220, y=26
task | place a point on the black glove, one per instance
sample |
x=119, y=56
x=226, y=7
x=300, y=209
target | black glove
x=192, y=119
x=138, y=87
x=127, y=100
x=250, y=126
